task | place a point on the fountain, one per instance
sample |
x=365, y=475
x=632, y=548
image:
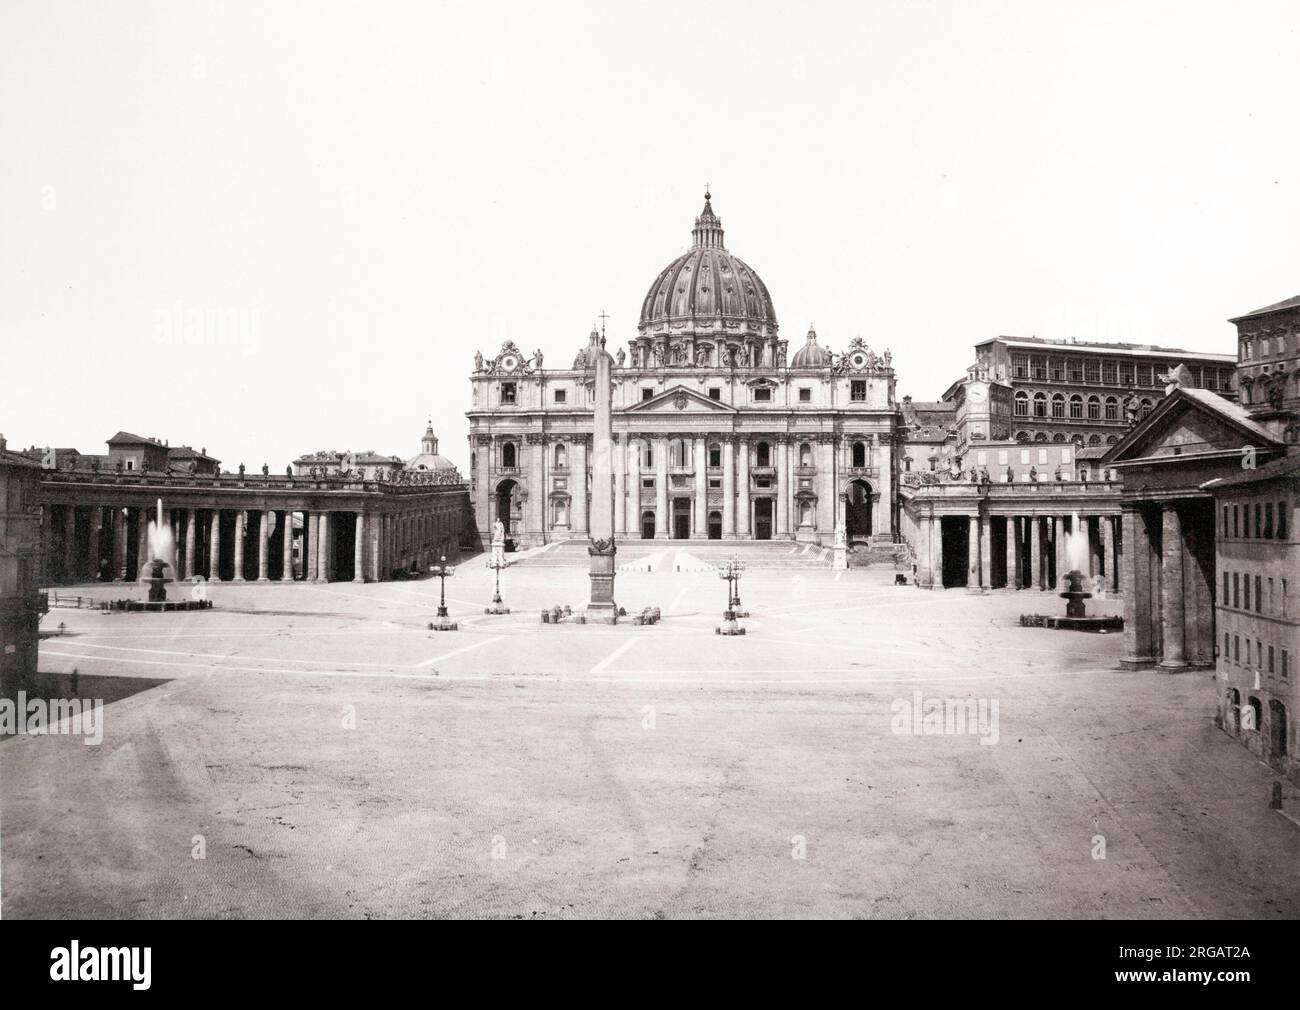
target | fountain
x=1077, y=549
x=157, y=572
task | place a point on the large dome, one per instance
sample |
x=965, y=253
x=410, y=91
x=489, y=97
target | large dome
x=707, y=289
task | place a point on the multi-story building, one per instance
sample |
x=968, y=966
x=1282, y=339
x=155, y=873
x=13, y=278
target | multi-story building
x=1268, y=346
x=717, y=435
x=21, y=604
x=1028, y=389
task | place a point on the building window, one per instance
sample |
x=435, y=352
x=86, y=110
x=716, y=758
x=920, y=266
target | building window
x=130, y=464
x=647, y=393
x=1259, y=516
x=508, y=393
x=762, y=394
x=1259, y=594
x=1126, y=373
x=508, y=456
x=1022, y=404
x=1145, y=375
x=1076, y=406
x=805, y=454
x=1281, y=520
x=762, y=454
x=1058, y=370
x=647, y=456
x=1245, y=596
x=715, y=392
x=1058, y=405
x=1108, y=372
x=1039, y=367
x=1094, y=408
x=1236, y=649
x=1226, y=595
x=1076, y=370
x=805, y=394
x=858, y=391
x=1268, y=520
x=1112, y=409
x=561, y=457
x=1236, y=590
x=678, y=452
x=859, y=454
x=1094, y=371
x=561, y=395
x=1236, y=520
x=715, y=455
x=1020, y=366
x=1040, y=405
x=648, y=483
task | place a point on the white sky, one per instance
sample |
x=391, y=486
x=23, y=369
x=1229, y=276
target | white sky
x=381, y=188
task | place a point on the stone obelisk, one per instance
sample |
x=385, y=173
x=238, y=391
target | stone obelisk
x=601, y=608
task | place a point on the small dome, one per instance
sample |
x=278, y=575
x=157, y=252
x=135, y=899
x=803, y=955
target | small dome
x=428, y=457
x=811, y=355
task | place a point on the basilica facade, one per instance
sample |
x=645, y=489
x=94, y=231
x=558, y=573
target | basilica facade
x=719, y=432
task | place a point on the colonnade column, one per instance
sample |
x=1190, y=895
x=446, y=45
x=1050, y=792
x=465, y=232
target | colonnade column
x=936, y=552
x=1036, y=552
x=214, y=547
x=742, y=496
x=728, y=488
x=286, y=547
x=263, y=544
x=119, y=545
x=241, y=527
x=95, y=517
x=324, y=567
x=827, y=499
x=972, y=552
x=986, y=552
x=141, y=537
x=1013, y=554
x=311, y=545
x=661, y=488
x=359, y=549
x=700, y=523
x=1172, y=624
x=191, y=535
x=69, y=539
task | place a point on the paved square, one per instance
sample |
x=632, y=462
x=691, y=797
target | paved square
x=327, y=755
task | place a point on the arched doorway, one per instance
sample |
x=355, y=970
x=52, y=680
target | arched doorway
x=857, y=510
x=715, y=525
x=647, y=525
x=1277, y=728
x=763, y=518
x=509, y=506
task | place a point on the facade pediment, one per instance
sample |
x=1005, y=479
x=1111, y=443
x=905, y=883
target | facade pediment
x=1189, y=425
x=680, y=400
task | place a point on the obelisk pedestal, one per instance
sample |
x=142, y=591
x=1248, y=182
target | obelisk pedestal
x=601, y=609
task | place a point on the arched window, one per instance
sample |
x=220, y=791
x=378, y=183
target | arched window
x=1146, y=407
x=1094, y=408
x=1256, y=715
x=1058, y=405
x=508, y=455
x=1076, y=406
x=1022, y=437
x=1112, y=409
x=560, y=455
x=1022, y=404
x=859, y=454
x=1040, y=436
x=805, y=454
x=1094, y=440
x=1058, y=438
x=715, y=455
x=762, y=454
x=1277, y=727
x=560, y=511
x=1112, y=439
x=1040, y=405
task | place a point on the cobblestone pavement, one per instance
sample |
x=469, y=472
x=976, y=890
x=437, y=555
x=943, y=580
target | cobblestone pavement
x=327, y=755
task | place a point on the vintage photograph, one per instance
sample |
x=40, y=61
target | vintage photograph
x=584, y=460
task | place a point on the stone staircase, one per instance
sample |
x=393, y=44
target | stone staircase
x=682, y=555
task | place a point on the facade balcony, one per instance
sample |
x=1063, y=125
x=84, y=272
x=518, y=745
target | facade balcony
x=860, y=471
x=762, y=471
x=805, y=471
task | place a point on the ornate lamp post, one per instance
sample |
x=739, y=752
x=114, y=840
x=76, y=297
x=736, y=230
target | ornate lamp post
x=496, y=564
x=442, y=570
x=731, y=573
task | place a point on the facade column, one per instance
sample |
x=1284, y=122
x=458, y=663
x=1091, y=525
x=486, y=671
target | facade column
x=1036, y=559
x=728, y=488
x=578, y=485
x=537, y=498
x=1112, y=551
x=286, y=547
x=700, y=521
x=936, y=551
x=263, y=545
x=1172, y=603
x=241, y=528
x=311, y=557
x=661, y=488
x=782, y=487
x=1058, y=550
x=214, y=547
x=119, y=545
x=742, y=489
x=70, y=539
x=828, y=503
x=359, y=549
x=972, y=553
x=1105, y=536
x=377, y=572
x=618, y=457
x=1013, y=554
x=633, y=505
x=191, y=535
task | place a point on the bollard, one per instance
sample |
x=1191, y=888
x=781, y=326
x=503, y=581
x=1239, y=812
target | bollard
x=1276, y=802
